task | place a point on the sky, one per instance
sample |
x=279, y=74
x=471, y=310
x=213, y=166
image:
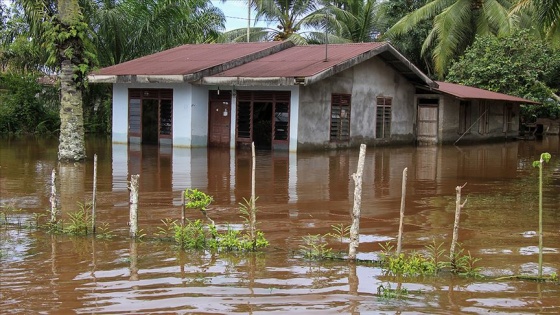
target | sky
x=236, y=13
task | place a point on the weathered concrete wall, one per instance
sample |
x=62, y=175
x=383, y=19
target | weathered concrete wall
x=365, y=82
x=449, y=121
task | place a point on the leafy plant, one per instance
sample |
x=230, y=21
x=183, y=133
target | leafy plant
x=465, y=265
x=168, y=230
x=79, y=221
x=339, y=232
x=386, y=292
x=315, y=247
x=103, y=232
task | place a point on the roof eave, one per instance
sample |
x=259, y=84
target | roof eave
x=247, y=81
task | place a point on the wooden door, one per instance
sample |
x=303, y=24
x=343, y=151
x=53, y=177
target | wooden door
x=428, y=121
x=219, y=124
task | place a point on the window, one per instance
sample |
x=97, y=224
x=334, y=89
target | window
x=464, y=117
x=340, y=117
x=383, y=118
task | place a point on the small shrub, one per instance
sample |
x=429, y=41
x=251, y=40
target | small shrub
x=315, y=247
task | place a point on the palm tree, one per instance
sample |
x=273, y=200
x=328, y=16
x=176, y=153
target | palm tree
x=546, y=14
x=59, y=26
x=455, y=25
x=297, y=20
x=356, y=20
x=128, y=29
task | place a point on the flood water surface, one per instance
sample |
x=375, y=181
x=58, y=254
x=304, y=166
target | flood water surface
x=298, y=195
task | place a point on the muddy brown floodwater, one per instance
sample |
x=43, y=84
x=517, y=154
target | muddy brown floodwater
x=298, y=195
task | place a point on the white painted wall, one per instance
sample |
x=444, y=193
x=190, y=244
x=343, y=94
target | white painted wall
x=120, y=113
x=182, y=113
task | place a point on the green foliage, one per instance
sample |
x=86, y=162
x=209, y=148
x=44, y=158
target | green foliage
x=10, y=214
x=429, y=264
x=79, y=222
x=518, y=64
x=196, y=199
x=27, y=107
x=465, y=265
x=315, y=247
x=388, y=293
x=104, y=232
x=339, y=232
x=195, y=235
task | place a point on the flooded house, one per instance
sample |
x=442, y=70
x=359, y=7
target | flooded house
x=286, y=97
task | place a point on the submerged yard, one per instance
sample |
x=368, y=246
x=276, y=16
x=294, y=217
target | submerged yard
x=298, y=195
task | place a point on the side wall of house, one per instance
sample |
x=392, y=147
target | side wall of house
x=479, y=128
x=364, y=82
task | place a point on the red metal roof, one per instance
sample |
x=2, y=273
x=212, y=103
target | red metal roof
x=186, y=59
x=300, y=61
x=468, y=92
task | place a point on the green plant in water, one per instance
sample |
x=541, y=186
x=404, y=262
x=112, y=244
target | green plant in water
x=435, y=254
x=545, y=157
x=8, y=212
x=79, y=221
x=465, y=264
x=196, y=199
x=166, y=232
x=315, y=247
x=339, y=232
x=416, y=264
x=388, y=293
x=190, y=236
x=103, y=232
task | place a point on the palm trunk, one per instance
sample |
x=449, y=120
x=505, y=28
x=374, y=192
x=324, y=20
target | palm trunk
x=71, y=141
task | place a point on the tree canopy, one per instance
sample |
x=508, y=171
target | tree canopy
x=517, y=64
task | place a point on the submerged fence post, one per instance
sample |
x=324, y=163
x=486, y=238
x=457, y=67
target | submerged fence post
x=53, y=197
x=458, y=207
x=253, y=197
x=355, y=227
x=399, y=238
x=183, y=208
x=94, y=196
x=133, y=205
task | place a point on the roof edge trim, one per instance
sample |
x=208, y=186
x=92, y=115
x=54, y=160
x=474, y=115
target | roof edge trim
x=101, y=78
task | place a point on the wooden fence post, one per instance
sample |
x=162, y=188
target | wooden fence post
x=401, y=219
x=458, y=207
x=253, y=194
x=355, y=227
x=94, y=196
x=53, y=197
x=134, y=205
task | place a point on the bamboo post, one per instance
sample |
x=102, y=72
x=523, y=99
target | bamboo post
x=94, y=197
x=401, y=219
x=355, y=227
x=458, y=207
x=253, y=197
x=53, y=197
x=133, y=205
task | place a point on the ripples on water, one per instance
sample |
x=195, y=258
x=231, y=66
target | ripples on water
x=298, y=195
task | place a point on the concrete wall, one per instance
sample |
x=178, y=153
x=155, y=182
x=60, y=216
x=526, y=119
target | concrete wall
x=449, y=121
x=365, y=82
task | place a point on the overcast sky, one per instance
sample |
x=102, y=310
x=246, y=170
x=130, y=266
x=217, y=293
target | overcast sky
x=236, y=13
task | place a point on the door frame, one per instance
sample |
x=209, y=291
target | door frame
x=217, y=96
x=165, y=126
